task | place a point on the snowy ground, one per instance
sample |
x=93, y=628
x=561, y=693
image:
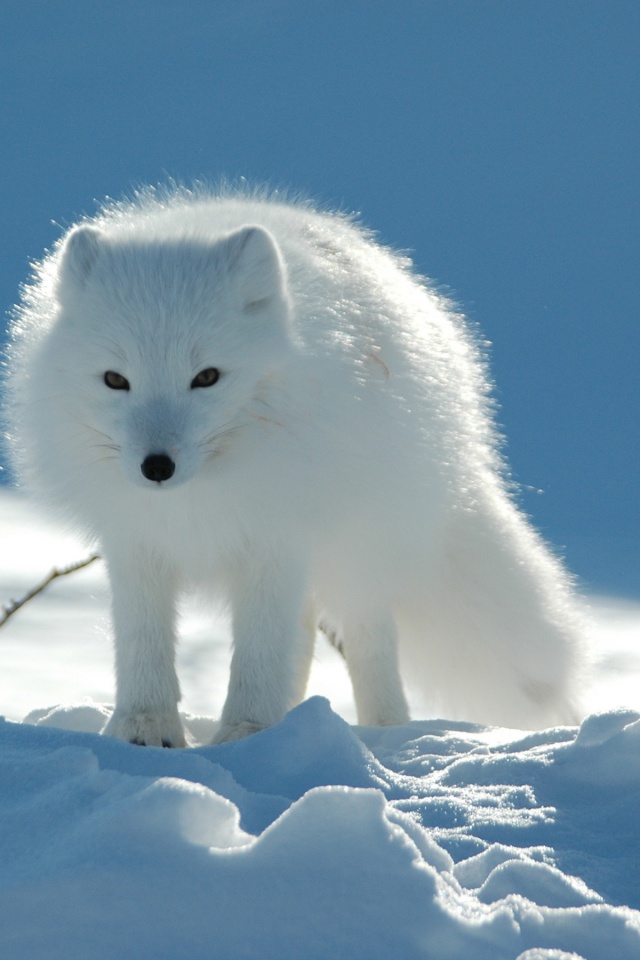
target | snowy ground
x=315, y=839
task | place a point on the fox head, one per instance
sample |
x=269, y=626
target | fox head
x=169, y=344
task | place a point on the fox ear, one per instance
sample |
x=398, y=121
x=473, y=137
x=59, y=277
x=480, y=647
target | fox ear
x=257, y=267
x=79, y=254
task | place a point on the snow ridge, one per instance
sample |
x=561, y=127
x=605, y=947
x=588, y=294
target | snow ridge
x=315, y=839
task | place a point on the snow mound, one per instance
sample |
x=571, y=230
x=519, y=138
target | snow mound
x=315, y=839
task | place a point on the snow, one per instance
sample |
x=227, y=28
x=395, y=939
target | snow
x=314, y=839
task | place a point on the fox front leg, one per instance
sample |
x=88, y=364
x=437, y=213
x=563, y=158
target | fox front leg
x=147, y=689
x=272, y=650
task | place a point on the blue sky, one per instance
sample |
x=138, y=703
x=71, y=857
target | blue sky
x=495, y=139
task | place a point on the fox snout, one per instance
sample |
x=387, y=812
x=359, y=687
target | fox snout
x=158, y=467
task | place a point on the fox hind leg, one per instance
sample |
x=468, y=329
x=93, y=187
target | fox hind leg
x=370, y=649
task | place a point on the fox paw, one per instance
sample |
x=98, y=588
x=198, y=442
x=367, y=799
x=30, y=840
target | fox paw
x=147, y=728
x=236, y=731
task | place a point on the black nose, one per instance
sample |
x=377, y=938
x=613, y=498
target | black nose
x=158, y=467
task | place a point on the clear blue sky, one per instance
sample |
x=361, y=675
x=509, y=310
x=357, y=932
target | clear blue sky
x=496, y=139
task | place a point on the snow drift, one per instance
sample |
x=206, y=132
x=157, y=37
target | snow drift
x=317, y=840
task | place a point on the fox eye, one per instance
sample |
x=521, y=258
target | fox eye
x=206, y=378
x=116, y=381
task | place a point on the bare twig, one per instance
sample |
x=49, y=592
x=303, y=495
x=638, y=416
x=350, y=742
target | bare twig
x=13, y=605
x=332, y=636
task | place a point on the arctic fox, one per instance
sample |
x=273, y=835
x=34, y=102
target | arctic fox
x=253, y=397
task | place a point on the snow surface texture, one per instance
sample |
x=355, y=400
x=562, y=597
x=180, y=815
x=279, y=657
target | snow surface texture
x=314, y=839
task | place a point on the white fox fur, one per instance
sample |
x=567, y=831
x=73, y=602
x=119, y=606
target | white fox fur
x=343, y=469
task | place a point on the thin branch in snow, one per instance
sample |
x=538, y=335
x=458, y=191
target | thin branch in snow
x=332, y=636
x=13, y=605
